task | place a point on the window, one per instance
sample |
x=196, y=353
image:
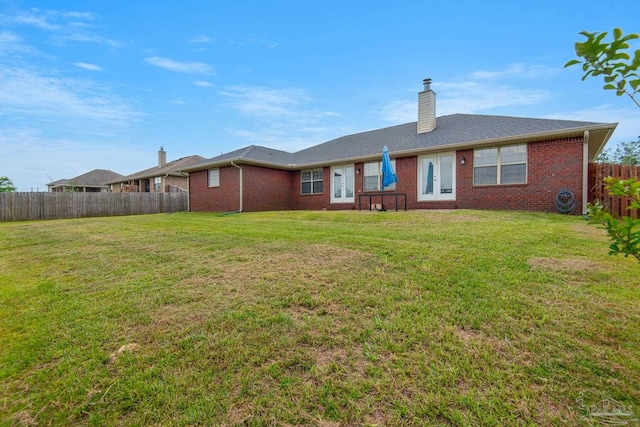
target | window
x=157, y=183
x=311, y=181
x=214, y=177
x=372, y=176
x=500, y=165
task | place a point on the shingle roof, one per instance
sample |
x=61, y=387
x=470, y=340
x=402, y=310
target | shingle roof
x=171, y=168
x=456, y=130
x=95, y=178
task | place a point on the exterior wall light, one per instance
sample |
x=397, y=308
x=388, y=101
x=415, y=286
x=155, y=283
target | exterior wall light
x=463, y=160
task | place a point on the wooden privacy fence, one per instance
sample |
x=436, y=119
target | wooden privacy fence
x=617, y=206
x=34, y=206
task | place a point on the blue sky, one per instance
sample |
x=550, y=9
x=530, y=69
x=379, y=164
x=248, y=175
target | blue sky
x=103, y=84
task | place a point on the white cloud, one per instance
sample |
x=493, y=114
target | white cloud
x=283, y=118
x=202, y=83
x=87, y=66
x=516, y=71
x=39, y=96
x=179, y=102
x=88, y=38
x=12, y=43
x=468, y=96
x=33, y=20
x=479, y=92
x=64, y=25
x=52, y=20
x=400, y=111
x=265, y=102
x=181, y=67
x=628, y=119
x=200, y=39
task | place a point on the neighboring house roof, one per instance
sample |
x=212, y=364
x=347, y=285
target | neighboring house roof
x=456, y=131
x=95, y=178
x=172, y=168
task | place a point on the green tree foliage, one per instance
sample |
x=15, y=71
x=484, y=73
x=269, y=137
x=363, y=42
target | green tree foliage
x=612, y=61
x=626, y=154
x=625, y=232
x=6, y=185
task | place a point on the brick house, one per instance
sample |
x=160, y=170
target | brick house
x=455, y=161
x=163, y=178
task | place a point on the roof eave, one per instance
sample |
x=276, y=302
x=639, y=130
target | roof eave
x=239, y=161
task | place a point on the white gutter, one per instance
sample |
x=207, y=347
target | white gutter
x=585, y=172
x=240, y=168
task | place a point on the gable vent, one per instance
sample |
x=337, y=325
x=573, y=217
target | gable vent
x=426, y=108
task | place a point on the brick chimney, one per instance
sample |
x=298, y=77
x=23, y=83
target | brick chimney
x=426, y=108
x=162, y=158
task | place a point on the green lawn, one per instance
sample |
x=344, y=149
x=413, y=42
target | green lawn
x=315, y=318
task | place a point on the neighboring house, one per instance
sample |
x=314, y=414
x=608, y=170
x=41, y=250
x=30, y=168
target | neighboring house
x=455, y=161
x=163, y=178
x=90, y=182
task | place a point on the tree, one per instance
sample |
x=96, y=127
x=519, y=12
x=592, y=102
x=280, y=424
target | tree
x=6, y=185
x=610, y=60
x=620, y=72
x=625, y=232
x=626, y=154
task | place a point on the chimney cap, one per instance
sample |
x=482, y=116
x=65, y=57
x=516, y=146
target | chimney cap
x=427, y=83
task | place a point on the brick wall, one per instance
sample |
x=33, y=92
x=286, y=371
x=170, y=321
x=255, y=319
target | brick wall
x=552, y=165
x=311, y=201
x=263, y=190
x=266, y=189
x=225, y=198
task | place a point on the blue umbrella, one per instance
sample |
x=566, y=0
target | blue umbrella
x=388, y=174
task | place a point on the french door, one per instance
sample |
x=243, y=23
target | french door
x=437, y=177
x=342, y=184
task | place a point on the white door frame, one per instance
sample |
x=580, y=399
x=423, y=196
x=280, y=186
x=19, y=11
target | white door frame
x=347, y=180
x=440, y=161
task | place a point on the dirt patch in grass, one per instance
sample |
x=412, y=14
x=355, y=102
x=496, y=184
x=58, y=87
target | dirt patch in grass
x=24, y=418
x=307, y=262
x=569, y=265
x=125, y=348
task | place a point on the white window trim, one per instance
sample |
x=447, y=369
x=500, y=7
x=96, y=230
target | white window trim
x=379, y=176
x=312, y=181
x=216, y=182
x=499, y=164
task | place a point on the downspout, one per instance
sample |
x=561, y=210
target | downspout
x=236, y=166
x=585, y=173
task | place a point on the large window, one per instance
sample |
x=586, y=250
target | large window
x=157, y=183
x=214, y=177
x=372, y=177
x=311, y=181
x=500, y=165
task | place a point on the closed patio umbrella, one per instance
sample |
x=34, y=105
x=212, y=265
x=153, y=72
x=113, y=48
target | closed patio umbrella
x=389, y=176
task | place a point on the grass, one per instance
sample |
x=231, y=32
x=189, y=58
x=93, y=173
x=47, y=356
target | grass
x=315, y=318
